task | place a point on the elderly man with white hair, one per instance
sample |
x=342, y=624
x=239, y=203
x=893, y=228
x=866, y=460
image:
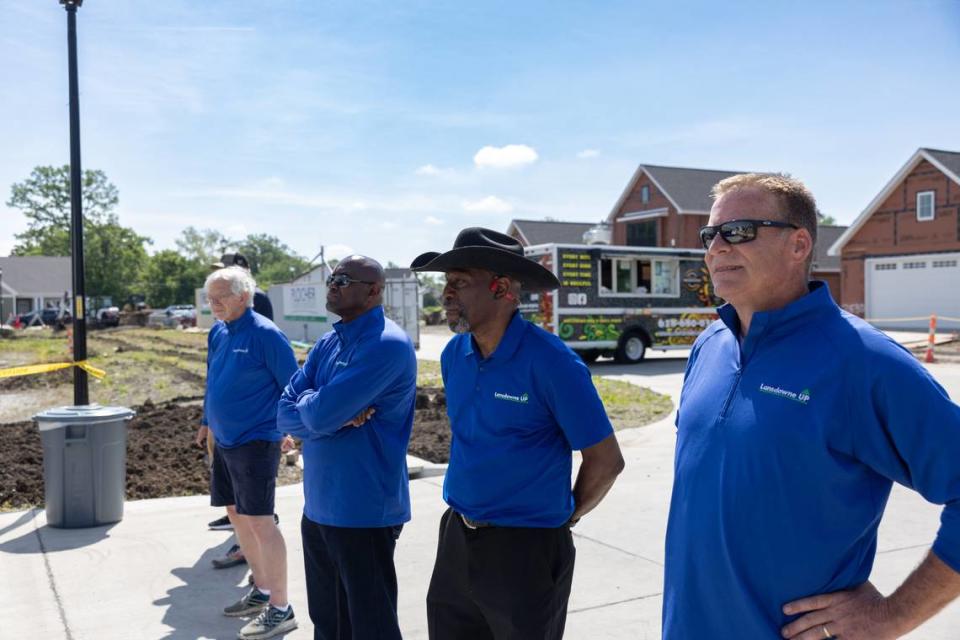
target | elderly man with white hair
x=249, y=362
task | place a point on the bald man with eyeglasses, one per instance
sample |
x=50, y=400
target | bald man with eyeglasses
x=795, y=420
x=352, y=404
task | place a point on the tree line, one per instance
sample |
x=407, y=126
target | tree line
x=116, y=262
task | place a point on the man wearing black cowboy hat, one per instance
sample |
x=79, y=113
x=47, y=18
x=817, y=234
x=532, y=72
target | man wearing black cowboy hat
x=519, y=401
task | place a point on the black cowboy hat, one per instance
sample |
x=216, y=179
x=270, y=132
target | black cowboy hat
x=479, y=248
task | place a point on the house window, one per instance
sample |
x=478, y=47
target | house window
x=914, y=265
x=926, y=203
x=885, y=266
x=642, y=234
x=943, y=264
x=639, y=277
x=645, y=194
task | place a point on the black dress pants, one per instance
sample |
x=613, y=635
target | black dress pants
x=351, y=581
x=499, y=583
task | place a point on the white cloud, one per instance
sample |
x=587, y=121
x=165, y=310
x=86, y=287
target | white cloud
x=428, y=170
x=589, y=153
x=506, y=157
x=490, y=204
x=432, y=220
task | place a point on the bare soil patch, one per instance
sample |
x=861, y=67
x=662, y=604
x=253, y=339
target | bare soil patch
x=162, y=459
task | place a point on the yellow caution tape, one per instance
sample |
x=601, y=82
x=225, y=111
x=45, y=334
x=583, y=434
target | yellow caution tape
x=32, y=369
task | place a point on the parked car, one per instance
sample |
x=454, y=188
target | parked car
x=49, y=317
x=184, y=315
x=108, y=317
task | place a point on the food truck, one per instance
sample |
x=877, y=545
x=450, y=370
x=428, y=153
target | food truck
x=620, y=301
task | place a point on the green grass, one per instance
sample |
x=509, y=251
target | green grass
x=428, y=373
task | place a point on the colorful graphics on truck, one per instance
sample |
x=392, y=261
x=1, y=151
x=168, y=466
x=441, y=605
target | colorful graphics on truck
x=619, y=301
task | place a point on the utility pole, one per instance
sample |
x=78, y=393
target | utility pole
x=80, y=382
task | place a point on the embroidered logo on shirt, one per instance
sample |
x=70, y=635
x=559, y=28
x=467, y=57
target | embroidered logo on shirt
x=340, y=363
x=803, y=397
x=241, y=350
x=521, y=399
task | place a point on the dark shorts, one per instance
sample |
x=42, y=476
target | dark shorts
x=245, y=476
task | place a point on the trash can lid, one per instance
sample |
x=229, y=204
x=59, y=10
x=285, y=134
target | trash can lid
x=82, y=414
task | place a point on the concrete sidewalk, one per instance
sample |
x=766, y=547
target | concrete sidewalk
x=149, y=576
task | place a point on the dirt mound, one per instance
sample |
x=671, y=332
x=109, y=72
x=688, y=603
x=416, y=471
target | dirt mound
x=430, y=438
x=162, y=459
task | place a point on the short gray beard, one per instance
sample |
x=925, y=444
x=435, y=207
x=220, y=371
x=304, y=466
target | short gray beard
x=462, y=325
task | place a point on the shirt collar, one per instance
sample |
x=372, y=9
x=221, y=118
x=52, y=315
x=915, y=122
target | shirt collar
x=800, y=311
x=509, y=341
x=368, y=322
x=240, y=323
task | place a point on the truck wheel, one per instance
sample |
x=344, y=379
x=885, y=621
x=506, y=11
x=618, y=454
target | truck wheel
x=631, y=348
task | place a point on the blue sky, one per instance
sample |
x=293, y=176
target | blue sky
x=385, y=127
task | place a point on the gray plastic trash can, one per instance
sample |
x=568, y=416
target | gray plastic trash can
x=84, y=464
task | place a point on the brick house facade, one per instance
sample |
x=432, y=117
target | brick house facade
x=916, y=214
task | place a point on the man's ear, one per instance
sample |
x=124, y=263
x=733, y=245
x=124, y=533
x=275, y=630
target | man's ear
x=802, y=244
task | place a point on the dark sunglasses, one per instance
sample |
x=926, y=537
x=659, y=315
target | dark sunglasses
x=341, y=280
x=739, y=231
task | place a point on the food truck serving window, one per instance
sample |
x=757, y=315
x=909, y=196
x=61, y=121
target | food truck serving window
x=629, y=276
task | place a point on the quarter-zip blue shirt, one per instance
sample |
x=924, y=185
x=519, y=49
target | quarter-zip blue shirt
x=516, y=417
x=249, y=361
x=787, y=448
x=355, y=476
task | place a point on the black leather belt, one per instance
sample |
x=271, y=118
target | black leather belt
x=470, y=523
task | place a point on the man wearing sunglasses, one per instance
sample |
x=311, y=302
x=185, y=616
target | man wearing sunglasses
x=794, y=421
x=352, y=405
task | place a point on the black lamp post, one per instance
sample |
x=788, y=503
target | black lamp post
x=80, y=394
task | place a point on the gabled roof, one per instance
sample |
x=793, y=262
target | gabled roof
x=946, y=161
x=688, y=190
x=827, y=234
x=35, y=275
x=543, y=231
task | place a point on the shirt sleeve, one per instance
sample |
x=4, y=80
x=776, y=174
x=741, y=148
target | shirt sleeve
x=288, y=416
x=910, y=433
x=206, y=385
x=325, y=410
x=574, y=401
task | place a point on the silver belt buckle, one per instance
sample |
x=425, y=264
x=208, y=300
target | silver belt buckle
x=466, y=522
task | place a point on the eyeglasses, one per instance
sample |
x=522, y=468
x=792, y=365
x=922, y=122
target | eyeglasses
x=739, y=231
x=341, y=280
x=219, y=299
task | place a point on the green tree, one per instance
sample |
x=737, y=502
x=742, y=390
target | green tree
x=113, y=254
x=271, y=261
x=432, y=288
x=825, y=219
x=44, y=199
x=114, y=257
x=203, y=246
x=170, y=278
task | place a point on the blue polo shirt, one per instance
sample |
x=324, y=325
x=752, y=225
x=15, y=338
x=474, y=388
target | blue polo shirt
x=355, y=476
x=787, y=448
x=516, y=417
x=249, y=361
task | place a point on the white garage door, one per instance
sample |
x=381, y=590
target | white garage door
x=917, y=285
